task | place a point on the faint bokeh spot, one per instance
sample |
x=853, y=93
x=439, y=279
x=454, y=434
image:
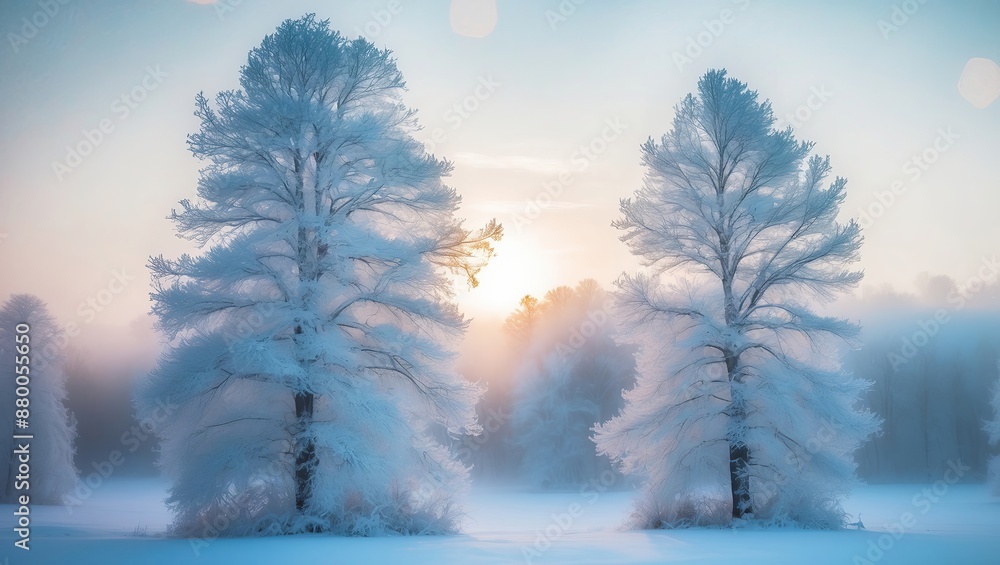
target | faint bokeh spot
x=980, y=82
x=473, y=18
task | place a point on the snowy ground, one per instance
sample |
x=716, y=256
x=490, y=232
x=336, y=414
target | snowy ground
x=124, y=520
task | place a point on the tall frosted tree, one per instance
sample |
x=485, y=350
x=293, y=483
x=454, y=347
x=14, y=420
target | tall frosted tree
x=53, y=474
x=741, y=408
x=311, y=361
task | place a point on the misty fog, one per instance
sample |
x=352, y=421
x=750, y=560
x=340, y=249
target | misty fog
x=933, y=394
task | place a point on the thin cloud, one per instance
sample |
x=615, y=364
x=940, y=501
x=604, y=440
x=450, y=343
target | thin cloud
x=519, y=206
x=511, y=162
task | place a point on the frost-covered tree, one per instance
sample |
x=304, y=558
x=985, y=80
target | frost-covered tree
x=520, y=324
x=313, y=340
x=992, y=429
x=53, y=475
x=741, y=408
x=570, y=377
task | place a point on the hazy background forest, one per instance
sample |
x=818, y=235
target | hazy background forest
x=934, y=400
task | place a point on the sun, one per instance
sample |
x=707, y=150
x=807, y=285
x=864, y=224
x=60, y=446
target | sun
x=519, y=267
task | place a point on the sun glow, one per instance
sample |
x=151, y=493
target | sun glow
x=519, y=267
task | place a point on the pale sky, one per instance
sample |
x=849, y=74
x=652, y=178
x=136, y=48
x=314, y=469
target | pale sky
x=539, y=88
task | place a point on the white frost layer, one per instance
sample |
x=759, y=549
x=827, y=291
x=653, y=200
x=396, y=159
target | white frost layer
x=513, y=526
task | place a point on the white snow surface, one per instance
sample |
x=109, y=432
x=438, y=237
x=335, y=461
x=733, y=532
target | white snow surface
x=125, y=521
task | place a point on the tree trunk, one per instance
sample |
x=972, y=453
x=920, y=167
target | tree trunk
x=308, y=266
x=739, y=459
x=739, y=453
x=305, y=450
x=305, y=457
